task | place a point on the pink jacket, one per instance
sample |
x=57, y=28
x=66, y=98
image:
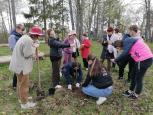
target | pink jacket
x=140, y=51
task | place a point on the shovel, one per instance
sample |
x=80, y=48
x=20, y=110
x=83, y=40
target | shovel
x=40, y=93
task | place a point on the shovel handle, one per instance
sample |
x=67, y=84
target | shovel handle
x=39, y=79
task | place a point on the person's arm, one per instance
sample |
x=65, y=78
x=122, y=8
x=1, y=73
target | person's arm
x=127, y=44
x=87, y=81
x=58, y=44
x=87, y=44
x=11, y=42
x=28, y=49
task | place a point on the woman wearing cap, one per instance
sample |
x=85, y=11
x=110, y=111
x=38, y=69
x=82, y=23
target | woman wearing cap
x=22, y=63
x=98, y=82
x=55, y=56
x=85, y=49
x=68, y=51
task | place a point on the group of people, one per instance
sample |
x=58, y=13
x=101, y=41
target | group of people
x=117, y=49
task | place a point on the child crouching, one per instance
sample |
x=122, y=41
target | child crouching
x=71, y=71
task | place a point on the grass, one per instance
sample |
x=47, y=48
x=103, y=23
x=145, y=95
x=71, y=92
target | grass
x=70, y=103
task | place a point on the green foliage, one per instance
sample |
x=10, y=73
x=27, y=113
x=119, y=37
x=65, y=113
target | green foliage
x=55, y=13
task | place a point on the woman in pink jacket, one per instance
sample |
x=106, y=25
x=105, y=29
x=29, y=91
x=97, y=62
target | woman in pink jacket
x=143, y=58
x=85, y=49
x=139, y=51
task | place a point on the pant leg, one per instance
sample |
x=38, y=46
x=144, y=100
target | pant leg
x=122, y=66
x=85, y=63
x=140, y=74
x=55, y=72
x=131, y=65
x=14, y=80
x=109, y=65
x=67, y=75
x=23, y=87
x=79, y=76
x=95, y=92
x=133, y=78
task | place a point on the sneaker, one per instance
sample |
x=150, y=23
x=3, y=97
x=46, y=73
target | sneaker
x=127, y=93
x=133, y=96
x=101, y=100
x=69, y=87
x=28, y=105
x=77, y=85
x=61, y=74
x=58, y=86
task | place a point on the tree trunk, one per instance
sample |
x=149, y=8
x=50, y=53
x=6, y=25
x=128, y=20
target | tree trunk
x=10, y=16
x=44, y=13
x=94, y=5
x=71, y=14
x=13, y=13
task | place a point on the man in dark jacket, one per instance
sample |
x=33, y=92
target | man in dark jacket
x=12, y=40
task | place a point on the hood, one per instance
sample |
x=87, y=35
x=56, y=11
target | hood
x=16, y=34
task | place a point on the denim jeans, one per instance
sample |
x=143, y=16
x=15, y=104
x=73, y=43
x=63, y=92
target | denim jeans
x=95, y=92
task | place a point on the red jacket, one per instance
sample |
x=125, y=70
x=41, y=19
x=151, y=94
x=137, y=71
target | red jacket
x=85, y=48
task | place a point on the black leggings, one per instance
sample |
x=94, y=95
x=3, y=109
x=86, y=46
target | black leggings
x=137, y=75
x=14, y=80
x=85, y=63
x=123, y=64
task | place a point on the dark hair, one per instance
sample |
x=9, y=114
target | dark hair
x=20, y=26
x=48, y=31
x=85, y=34
x=76, y=64
x=96, y=68
x=117, y=30
x=134, y=28
x=118, y=43
x=110, y=29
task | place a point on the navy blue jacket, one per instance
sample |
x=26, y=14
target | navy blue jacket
x=13, y=38
x=127, y=44
x=55, y=48
x=68, y=69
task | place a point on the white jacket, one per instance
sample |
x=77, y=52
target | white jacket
x=76, y=44
x=22, y=57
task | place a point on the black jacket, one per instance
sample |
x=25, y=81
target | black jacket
x=100, y=81
x=56, y=48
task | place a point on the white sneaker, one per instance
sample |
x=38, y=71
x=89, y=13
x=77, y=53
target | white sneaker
x=69, y=87
x=101, y=100
x=28, y=105
x=58, y=86
x=77, y=85
x=61, y=74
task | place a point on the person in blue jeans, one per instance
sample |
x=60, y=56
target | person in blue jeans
x=70, y=71
x=98, y=82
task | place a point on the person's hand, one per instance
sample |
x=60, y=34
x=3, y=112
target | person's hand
x=113, y=60
x=36, y=45
x=110, y=42
x=35, y=57
x=72, y=45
